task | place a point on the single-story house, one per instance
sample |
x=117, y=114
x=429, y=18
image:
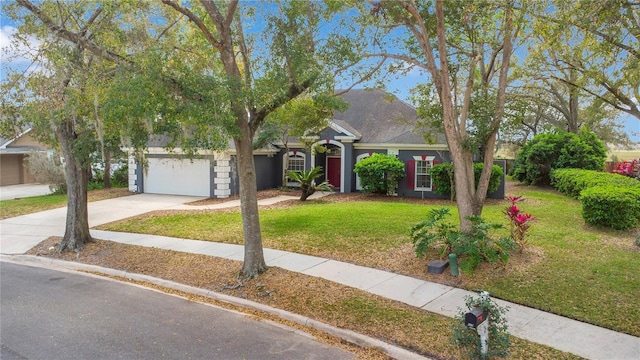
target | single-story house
x=375, y=122
x=13, y=153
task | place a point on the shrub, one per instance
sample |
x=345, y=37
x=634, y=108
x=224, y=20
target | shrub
x=468, y=339
x=573, y=181
x=120, y=177
x=545, y=152
x=380, y=173
x=611, y=206
x=628, y=168
x=472, y=248
x=442, y=176
x=47, y=169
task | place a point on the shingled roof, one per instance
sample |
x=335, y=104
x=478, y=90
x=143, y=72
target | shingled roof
x=381, y=118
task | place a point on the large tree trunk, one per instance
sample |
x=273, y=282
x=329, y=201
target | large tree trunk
x=76, y=233
x=254, y=263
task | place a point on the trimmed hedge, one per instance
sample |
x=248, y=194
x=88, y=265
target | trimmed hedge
x=442, y=177
x=613, y=206
x=572, y=181
x=607, y=199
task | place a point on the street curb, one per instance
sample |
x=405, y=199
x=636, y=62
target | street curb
x=347, y=335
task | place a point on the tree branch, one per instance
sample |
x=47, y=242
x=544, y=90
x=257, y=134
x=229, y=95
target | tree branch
x=364, y=78
x=73, y=37
x=196, y=20
x=632, y=110
x=404, y=58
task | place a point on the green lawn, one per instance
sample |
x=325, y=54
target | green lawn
x=16, y=207
x=588, y=274
x=624, y=155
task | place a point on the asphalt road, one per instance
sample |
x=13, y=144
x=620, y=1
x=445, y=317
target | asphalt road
x=47, y=314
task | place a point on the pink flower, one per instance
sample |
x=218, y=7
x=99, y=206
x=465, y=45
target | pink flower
x=512, y=211
x=514, y=199
x=520, y=219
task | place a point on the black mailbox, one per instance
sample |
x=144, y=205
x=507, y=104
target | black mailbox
x=475, y=317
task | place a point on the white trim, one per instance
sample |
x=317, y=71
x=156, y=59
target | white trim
x=372, y=146
x=342, y=164
x=358, y=159
x=310, y=137
x=340, y=129
x=178, y=151
x=415, y=173
x=4, y=146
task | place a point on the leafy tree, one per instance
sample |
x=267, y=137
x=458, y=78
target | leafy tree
x=59, y=102
x=466, y=49
x=204, y=76
x=380, y=173
x=604, y=54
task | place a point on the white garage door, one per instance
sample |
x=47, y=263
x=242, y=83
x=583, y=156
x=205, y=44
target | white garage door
x=178, y=177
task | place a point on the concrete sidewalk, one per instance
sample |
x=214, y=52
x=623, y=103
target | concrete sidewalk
x=592, y=342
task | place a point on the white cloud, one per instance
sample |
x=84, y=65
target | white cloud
x=16, y=52
x=17, y=55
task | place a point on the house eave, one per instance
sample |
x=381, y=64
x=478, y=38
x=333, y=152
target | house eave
x=383, y=146
x=4, y=146
x=179, y=151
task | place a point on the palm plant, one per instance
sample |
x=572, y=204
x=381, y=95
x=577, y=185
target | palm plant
x=306, y=179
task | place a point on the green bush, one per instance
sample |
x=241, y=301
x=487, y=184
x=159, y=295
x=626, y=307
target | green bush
x=120, y=177
x=612, y=206
x=468, y=339
x=442, y=176
x=545, y=152
x=471, y=248
x=380, y=173
x=572, y=181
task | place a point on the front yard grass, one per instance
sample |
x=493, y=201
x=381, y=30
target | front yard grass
x=570, y=269
x=29, y=205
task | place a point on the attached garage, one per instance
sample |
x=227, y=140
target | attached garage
x=177, y=176
x=13, y=154
x=11, y=172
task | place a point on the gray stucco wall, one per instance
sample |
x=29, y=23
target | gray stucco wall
x=405, y=156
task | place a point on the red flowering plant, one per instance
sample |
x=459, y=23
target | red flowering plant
x=519, y=222
x=628, y=168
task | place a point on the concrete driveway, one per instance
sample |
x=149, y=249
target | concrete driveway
x=21, y=233
x=9, y=192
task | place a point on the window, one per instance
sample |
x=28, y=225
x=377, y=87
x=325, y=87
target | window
x=422, y=173
x=423, y=176
x=296, y=163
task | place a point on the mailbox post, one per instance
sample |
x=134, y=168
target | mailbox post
x=478, y=319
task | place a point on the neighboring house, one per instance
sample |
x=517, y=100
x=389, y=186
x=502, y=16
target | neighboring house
x=13, y=153
x=375, y=122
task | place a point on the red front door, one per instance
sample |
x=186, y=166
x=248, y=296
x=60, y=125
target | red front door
x=333, y=171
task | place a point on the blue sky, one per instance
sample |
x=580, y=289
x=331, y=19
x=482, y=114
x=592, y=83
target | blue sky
x=400, y=86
